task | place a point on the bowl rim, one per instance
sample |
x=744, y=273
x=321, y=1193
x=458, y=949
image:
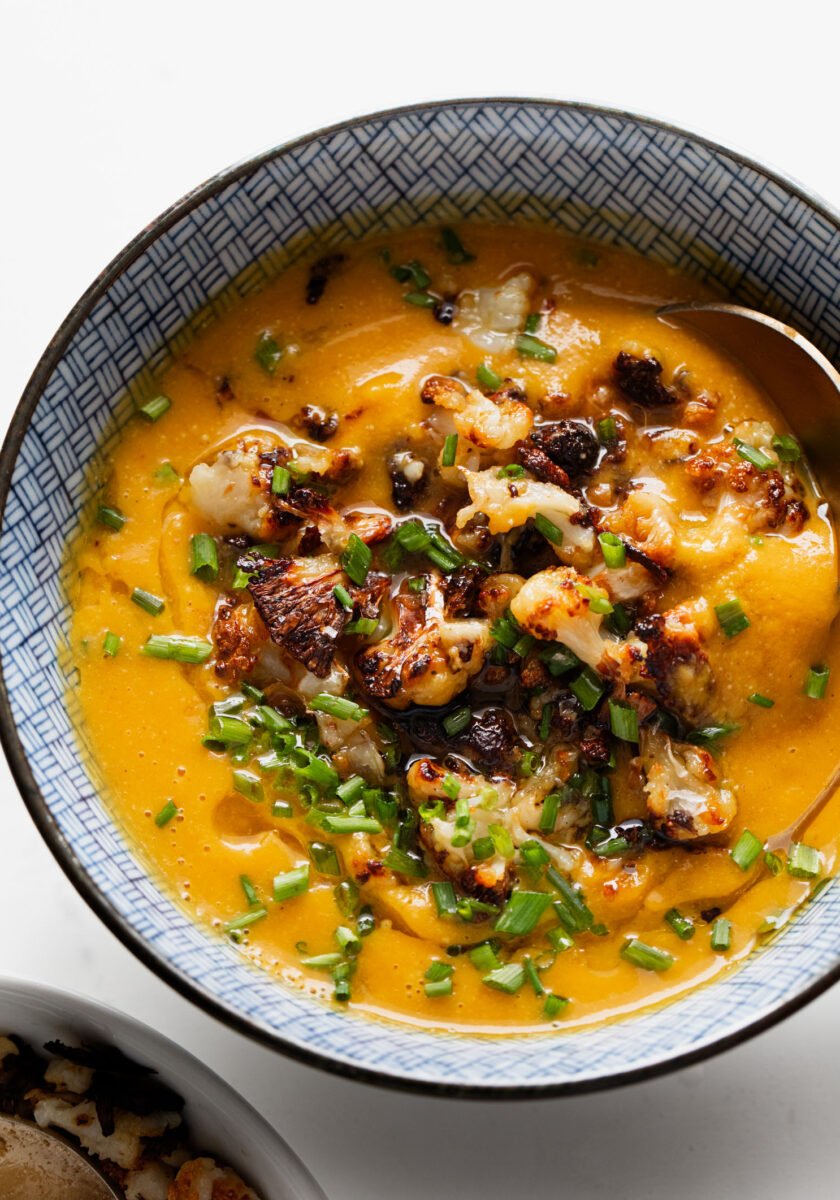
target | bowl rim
x=16, y=755
x=77, y=1008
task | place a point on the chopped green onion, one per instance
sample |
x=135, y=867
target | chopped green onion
x=559, y=659
x=572, y=910
x=524, y=645
x=443, y=894
x=241, y=579
x=439, y=987
x=420, y=299
x=484, y=958
x=804, y=862
x=230, y=731
x=483, y=847
x=366, y=923
x=511, y=471
x=325, y=858
x=746, y=850
x=528, y=346
x=532, y=975
x=248, y=785
x=682, y=926
x=502, y=841
x=560, y=940
x=430, y=810
x=406, y=862
x=554, y=1005
x=111, y=644
x=731, y=617
x=291, y=883
x=338, y=706
x=522, y=912
x=281, y=481
x=417, y=583
x=271, y=719
x=450, y=450
x=760, y=460
x=761, y=701
x=453, y=246
x=347, y=897
x=365, y=626
x=112, y=517
x=204, y=559
x=721, y=934
x=532, y=322
x=619, y=620
x=550, y=531
x=534, y=855
x=343, y=597
x=624, y=721
x=457, y=721
x=348, y=941
x=411, y=536
x=438, y=970
x=169, y=810
x=253, y=693
x=710, y=735
x=816, y=684
x=154, y=409
x=150, y=603
x=413, y=271
x=451, y=787
x=177, y=647
x=588, y=688
x=166, y=474
x=488, y=379
x=607, y=430
x=268, y=352
x=649, y=958
x=250, y=891
x=323, y=962
x=772, y=862
x=598, y=599
x=613, y=550
x=356, y=559
x=282, y=809
x=351, y=789
x=787, y=447
x=337, y=823
x=508, y=978
x=248, y=918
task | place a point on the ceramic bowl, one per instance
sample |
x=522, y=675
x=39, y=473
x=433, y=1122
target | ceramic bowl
x=220, y=1121
x=607, y=175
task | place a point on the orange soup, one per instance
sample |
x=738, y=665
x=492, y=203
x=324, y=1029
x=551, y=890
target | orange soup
x=455, y=635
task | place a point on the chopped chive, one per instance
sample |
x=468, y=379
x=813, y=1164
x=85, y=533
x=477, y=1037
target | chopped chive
x=482, y=848
x=204, y=558
x=524, y=645
x=560, y=940
x=439, y=987
x=282, y=809
x=613, y=550
x=528, y=346
x=343, y=597
x=169, y=810
x=166, y=474
x=572, y=910
x=338, y=706
x=746, y=850
x=111, y=644
x=411, y=536
x=619, y=620
x=351, y=789
x=365, y=626
x=443, y=894
x=110, y=516
x=532, y=322
x=450, y=450
x=356, y=559
x=454, y=248
x=347, y=897
x=816, y=683
x=772, y=862
x=457, y=721
x=710, y=735
x=551, y=532
x=154, y=409
x=250, y=891
x=323, y=962
x=268, y=352
x=325, y=858
x=420, y=299
x=649, y=958
x=721, y=934
x=624, y=721
x=787, y=447
x=413, y=271
x=241, y=579
x=758, y=459
x=534, y=855
x=598, y=600
x=559, y=660
x=487, y=378
x=230, y=731
x=508, y=978
x=271, y=719
x=451, y=787
x=804, y=862
x=281, y=481
x=522, y=912
x=607, y=430
x=248, y=785
x=502, y=841
x=484, y=958
x=247, y=919
x=253, y=693
x=532, y=975
x=430, y=810
x=338, y=823
x=150, y=603
x=348, y=941
x=554, y=1005
x=761, y=701
x=682, y=926
x=731, y=617
x=291, y=883
x=588, y=688
x=406, y=862
x=366, y=922
x=177, y=647
x=511, y=471
x=439, y=970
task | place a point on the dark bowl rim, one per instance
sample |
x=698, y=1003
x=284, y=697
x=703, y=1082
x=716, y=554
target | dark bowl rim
x=16, y=755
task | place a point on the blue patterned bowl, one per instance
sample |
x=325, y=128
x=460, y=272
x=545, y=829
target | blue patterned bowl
x=606, y=175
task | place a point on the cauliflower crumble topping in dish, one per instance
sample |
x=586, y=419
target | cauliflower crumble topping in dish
x=454, y=634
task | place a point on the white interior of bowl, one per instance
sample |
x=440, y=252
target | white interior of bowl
x=607, y=176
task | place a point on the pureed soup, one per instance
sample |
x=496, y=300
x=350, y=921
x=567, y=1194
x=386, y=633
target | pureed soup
x=455, y=635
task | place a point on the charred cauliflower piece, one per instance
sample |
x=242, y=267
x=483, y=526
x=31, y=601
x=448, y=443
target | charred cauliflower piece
x=204, y=1179
x=676, y=663
x=489, y=422
x=492, y=317
x=428, y=658
x=509, y=503
x=646, y=523
x=552, y=606
x=684, y=794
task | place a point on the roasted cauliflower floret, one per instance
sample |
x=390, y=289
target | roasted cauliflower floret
x=675, y=662
x=553, y=606
x=684, y=794
x=124, y=1146
x=509, y=503
x=204, y=1179
x=492, y=317
x=490, y=422
x=646, y=523
x=427, y=659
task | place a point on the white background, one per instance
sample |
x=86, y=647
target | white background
x=109, y=111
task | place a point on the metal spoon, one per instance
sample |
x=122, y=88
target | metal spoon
x=806, y=389
x=39, y=1164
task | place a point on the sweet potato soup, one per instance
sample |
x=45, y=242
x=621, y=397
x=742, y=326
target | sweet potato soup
x=455, y=635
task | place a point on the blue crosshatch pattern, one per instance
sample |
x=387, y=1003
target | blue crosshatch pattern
x=610, y=177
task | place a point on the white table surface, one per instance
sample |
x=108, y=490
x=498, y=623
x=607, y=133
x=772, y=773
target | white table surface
x=110, y=111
